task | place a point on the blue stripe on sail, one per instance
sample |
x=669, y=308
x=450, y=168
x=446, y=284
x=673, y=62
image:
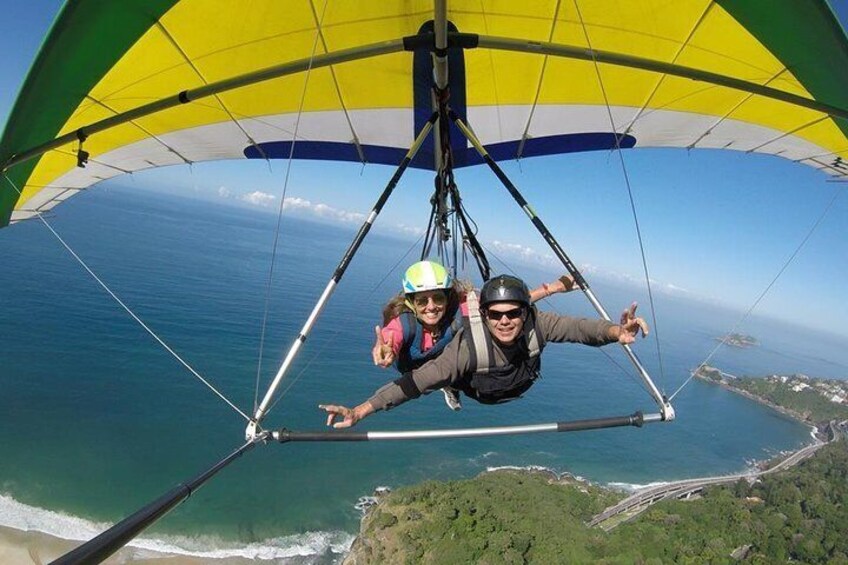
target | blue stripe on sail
x=326, y=151
x=556, y=144
x=535, y=147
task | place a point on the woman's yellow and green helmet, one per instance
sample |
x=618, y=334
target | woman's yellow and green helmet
x=426, y=275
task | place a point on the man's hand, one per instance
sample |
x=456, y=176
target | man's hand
x=349, y=416
x=382, y=351
x=630, y=326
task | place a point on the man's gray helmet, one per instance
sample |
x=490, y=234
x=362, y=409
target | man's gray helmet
x=504, y=288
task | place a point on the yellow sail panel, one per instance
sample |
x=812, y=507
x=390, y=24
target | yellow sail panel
x=164, y=47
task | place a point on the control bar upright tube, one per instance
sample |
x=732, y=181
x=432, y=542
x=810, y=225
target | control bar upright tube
x=262, y=410
x=662, y=402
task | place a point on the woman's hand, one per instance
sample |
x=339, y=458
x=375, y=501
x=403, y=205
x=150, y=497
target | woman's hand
x=382, y=351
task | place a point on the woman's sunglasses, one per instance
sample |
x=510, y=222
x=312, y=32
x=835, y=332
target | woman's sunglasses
x=439, y=299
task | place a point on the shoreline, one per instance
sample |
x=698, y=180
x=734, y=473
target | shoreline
x=25, y=547
x=33, y=535
x=31, y=546
x=788, y=412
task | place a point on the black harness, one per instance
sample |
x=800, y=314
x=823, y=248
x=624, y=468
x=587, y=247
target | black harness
x=492, y=384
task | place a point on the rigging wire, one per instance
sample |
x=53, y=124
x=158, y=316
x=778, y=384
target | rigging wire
x=612, y=360
x=127, y=308
x=332, y=339
x=355, y=140
x=629, y=191
x=526, y=134
x=765, y=291
x=188, y=61
x=450, y=226
x=467, y=227
x=266, y=306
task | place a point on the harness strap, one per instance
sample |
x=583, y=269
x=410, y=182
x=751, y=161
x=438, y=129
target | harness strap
x=410, y=330
x=533, y=339
x=481, y=360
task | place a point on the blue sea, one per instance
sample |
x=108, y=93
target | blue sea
x=96, y=419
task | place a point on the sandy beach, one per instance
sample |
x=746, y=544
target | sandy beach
x=26, y=548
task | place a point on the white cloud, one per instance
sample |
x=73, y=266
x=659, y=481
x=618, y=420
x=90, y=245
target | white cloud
x=522, y=253
x=670, y=287
x=224, y=192
x=322, y=210
x=354, y=217
x=258, y=198
x=296, y=203
x=529, y=255
x=411, y=230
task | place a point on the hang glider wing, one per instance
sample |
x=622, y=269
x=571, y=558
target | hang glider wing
x=148, y=83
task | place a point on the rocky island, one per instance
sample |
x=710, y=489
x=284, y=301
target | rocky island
x=738, y=340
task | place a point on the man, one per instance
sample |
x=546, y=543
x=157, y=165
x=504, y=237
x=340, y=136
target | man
x=496, y=356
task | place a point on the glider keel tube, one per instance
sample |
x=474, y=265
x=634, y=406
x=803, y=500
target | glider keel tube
x=262, y=410
x=636, y=419
x=659, y=398
x=101, y=547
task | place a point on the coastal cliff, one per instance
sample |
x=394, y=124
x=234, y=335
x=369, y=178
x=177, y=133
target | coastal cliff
x=530, y=517
x=809, y=400
x=505, y=516
x=534, y=516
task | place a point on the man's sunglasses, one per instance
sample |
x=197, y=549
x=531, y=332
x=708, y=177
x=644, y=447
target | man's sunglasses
x=495, y=316
x=439, y=299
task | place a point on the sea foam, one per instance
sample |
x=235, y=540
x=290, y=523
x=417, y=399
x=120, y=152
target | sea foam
x=14, y=514
x=633, y=487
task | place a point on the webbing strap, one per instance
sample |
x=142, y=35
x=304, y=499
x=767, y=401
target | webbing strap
x=478, y=334
x=532, y=335
x=533, y=340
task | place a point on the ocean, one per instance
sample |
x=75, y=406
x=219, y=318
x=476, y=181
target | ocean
x=96, y=419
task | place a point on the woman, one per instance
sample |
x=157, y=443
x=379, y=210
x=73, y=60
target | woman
x=419, y=322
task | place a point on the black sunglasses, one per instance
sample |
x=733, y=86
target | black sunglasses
x=510, y=314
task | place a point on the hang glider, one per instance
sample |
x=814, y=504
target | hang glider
x=120, y=87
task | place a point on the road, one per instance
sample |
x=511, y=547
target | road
x=642, y=499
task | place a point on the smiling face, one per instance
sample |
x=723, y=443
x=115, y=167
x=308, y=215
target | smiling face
x=429, y=307
x=505, y=321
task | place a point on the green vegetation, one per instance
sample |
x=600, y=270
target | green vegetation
x=810, y=399
x=800, y=515
x=812, y=403
x=710, y=373
x=501, y=517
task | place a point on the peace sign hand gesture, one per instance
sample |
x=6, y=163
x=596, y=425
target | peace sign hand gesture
x=631, y=326
x=382, y=352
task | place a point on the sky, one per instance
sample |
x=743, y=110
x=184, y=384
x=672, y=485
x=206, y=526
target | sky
x=716, y=226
